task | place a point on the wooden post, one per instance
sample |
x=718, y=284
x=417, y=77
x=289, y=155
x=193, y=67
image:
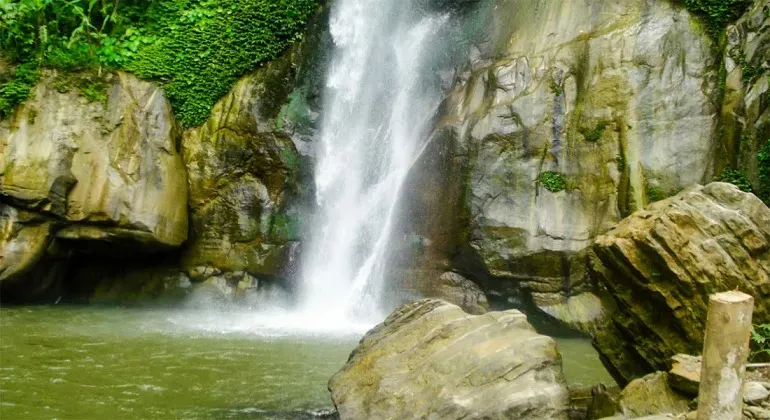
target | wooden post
x=725, y=351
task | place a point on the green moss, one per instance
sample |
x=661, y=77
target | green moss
x=553, y=181
x=556, y=89
x=621, y=161
x=593, y=135
x=737, y=178
x=654, y=193
x=88, y=83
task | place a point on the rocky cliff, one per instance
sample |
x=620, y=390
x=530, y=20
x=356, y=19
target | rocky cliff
x=570, y=117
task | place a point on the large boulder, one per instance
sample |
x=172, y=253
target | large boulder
x=661, y=264
x=108, y=165
x=429, y=359
x=89, y=162
x=576, y=114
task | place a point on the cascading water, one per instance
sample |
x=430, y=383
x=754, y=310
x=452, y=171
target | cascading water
x=379, y=102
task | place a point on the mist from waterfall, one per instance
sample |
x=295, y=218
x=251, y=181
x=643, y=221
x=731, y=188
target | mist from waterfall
x=379, y=101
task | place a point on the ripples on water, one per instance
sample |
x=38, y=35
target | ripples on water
x=97, y=362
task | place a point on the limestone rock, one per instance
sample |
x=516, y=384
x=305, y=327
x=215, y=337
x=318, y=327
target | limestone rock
x=661, y=264
x=684, y=375
x=429, y=359
x=745, y=113
x=111, y=170
x=612, y=97
x=243, y=176
x=652, y=395
x=755, y=392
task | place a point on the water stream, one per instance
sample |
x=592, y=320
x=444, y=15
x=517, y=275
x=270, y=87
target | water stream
x=379, y=104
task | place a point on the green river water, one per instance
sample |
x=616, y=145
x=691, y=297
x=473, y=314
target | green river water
x=63, y=362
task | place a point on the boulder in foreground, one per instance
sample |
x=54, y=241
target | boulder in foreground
x=429, y=359
x=660, y=265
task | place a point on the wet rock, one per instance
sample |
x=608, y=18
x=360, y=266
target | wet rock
x=429, y=358
x=660, y=265
x=244, y=178
x=652, y=395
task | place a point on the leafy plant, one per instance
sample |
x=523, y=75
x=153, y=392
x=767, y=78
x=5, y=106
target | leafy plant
x=553, y=181
x=18, y=88
x=737, y=178
x=196, y=49
x=717, y=13
x=594, y=135
x=760, y=337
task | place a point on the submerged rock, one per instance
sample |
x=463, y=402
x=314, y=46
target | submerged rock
x=429, y=359
x=661, y=264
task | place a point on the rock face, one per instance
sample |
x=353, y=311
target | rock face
x=661, y=264
x=588, y=111
x=87, y=172
x=429, y=359
x=111, y=170
x=243, y=172
x=745, y=117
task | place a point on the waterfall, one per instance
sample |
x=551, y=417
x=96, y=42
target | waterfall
x=379, y=101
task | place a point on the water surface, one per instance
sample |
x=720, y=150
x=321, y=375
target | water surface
x=96, y=362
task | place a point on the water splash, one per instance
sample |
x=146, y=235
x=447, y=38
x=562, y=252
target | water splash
x=378, y=107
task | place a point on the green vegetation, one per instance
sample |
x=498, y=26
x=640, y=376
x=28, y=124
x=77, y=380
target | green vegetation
x=760, y=337
x=594, y=135
x=717, y=14
x=654, y=193
x=763, y=162
x=196, y=49
x=621, y=161
x=553, y=181
x=18, y=88
x=737, y=178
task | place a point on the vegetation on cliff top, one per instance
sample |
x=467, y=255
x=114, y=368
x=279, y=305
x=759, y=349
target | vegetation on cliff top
x=195, y=49
x=717, y=14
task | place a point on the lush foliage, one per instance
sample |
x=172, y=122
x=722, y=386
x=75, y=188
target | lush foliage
x=760, y=337
x=18, y=88
x=195, y=48
x=717, y=13
x=553, y=181
x=737, y=178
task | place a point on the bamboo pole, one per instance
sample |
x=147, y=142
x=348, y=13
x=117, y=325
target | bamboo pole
x=725, y=351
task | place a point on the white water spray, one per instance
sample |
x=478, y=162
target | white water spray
x=377, y=112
